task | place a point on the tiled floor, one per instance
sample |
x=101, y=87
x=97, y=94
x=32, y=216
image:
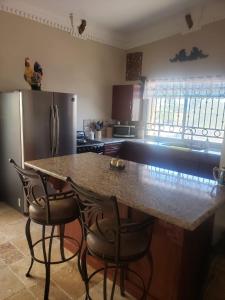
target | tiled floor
x=15, y=260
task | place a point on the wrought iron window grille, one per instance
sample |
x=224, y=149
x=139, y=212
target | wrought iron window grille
x=191, y=112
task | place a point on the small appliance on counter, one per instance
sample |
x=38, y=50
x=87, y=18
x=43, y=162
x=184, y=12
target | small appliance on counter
x=124, y=131
x=84, y=144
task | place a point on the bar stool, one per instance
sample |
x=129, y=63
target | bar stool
x=115, y=241
x=47, y=210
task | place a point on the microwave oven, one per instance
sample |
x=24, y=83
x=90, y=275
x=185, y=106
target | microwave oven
x=124, y=131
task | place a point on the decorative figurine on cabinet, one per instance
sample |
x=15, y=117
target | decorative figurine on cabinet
x=33, y=75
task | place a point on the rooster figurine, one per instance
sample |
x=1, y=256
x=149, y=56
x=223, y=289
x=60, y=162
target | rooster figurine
x=28, y=73
x=37, y=77
x=33, y=75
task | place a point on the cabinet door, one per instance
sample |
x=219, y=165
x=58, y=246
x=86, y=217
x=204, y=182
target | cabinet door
x=122, y=102
x=126, y=102
x=136, y=103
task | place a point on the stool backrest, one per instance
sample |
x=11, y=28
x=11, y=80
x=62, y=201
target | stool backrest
x=33, y=185
x=93, y=208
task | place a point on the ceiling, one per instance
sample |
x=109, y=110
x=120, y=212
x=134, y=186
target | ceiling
x=117, y=15
x=121, y=23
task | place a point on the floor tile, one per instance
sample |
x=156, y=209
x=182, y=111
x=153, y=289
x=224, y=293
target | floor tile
x=21, y=245
x=2, y=264
x=66, y=283
x=21, y=267
x=3, y=237
x=10, y=284
x=22, y=295
x=96, y=292
x=9, y=254
x=70, y=281
x=4, y=209
x=55, y=292
x=15, y=230
x=6, y=246
x=10, y=217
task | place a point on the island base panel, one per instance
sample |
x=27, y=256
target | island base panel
x=179, y=258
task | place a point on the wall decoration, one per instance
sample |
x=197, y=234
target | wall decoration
x=33, y=75
x=134, y=66
x=189, y=21
x=54, y=21
x=82, y=26
x=182, y=55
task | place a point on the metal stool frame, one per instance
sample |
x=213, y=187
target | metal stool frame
x=32, y=180
x=92, y=209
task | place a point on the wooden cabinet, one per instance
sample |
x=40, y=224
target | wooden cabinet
x=112, y=149
x=126, y=102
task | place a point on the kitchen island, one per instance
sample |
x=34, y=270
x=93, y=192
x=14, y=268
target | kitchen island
x=183, y=205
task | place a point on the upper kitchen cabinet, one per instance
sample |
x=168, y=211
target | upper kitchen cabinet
x=126, y=102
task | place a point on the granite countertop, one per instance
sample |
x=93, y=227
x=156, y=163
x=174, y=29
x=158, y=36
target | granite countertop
x=177, y=198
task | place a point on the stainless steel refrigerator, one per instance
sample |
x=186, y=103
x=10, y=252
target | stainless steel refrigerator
x=33, y=125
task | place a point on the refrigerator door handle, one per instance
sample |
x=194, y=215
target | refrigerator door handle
x=57, y=125
x=52, y=130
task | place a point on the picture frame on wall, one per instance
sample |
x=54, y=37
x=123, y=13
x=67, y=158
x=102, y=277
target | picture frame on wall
x=134, y=66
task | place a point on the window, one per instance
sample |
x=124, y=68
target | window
x=190, y=111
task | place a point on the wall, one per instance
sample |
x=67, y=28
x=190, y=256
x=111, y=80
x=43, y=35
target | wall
x=210, y=39
x=156, y=65
x=70, y=64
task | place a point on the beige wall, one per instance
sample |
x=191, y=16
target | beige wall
x=210, y=39
x=70, y=65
